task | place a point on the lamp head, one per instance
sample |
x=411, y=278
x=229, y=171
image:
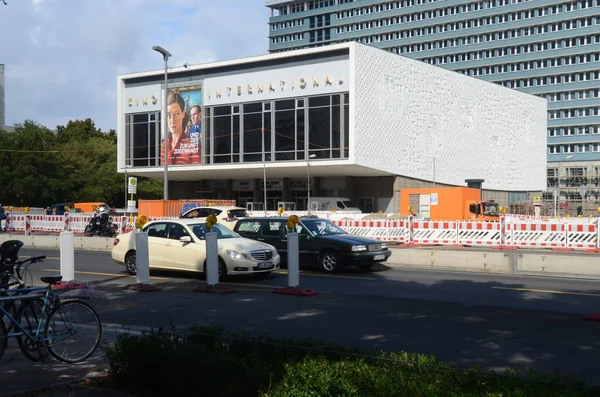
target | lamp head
x=166, y=54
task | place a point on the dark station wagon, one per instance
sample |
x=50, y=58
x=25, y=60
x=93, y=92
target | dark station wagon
x=321, y=242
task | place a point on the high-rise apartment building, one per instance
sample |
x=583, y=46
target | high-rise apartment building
x=2, y=111
x=550, y=48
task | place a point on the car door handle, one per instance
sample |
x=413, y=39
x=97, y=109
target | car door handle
x=260, y=239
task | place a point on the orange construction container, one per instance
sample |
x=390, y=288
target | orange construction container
x=446, y=203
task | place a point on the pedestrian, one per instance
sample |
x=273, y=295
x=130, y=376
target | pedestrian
x=2, y=219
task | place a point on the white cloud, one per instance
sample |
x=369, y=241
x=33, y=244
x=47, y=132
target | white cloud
x=63, y=57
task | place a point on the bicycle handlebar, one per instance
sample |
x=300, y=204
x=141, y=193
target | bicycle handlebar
x=33, y=259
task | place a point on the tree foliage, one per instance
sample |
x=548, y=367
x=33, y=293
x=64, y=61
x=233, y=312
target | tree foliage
x=77, y=162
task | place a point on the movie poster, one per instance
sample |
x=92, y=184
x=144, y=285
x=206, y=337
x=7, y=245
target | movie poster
x=184, y=115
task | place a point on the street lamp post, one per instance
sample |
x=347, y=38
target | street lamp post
x=264, y=170
x=126, y=186
x=559, y=187
x=312, y=156
x=165, y=122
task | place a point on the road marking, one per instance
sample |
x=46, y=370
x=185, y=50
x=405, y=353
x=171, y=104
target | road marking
x=547, y=291
x=331, y=276
x=107, y=274
x=250, y=285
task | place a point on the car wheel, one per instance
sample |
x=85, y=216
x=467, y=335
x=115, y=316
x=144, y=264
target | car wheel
x=88, y=231
x=130, y=264
x=222, y=269
x=330, y=261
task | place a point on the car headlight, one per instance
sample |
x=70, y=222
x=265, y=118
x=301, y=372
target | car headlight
x=359, y=248
x=383, y=246
x=234, y=254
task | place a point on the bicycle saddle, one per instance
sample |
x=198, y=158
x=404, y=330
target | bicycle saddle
x=51, y=279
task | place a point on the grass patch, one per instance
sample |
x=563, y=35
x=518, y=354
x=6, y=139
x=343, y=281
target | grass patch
x=210, y=362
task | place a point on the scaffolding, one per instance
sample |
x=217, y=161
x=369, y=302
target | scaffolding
x=574, y=189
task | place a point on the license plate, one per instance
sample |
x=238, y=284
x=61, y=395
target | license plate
x=266, y=265
x=378, y=257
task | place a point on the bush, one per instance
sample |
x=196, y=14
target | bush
x=209, y=362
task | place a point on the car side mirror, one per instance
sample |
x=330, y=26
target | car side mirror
x=185, y=239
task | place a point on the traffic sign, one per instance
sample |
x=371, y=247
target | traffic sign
x=132, y=185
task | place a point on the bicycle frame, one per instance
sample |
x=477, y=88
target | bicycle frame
x=50, y=299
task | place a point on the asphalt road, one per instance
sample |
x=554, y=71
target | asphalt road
x=496, y=321
x=549, y=294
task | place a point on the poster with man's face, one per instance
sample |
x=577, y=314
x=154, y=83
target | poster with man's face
x=184, y=115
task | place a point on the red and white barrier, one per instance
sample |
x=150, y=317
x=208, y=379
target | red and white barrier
x=566, y=233
x=435, y=232
x=537, y=234
x=479, y=233
x=27, y=226
x=582, y=236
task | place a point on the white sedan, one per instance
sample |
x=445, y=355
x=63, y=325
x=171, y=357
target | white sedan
x=179, y=244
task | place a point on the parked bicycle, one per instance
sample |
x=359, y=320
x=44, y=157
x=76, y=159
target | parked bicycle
x=14, y=274
x=69, y=329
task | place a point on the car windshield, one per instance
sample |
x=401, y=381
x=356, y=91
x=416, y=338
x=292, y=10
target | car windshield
x=348, y=204
x=237, y=214
x=322, y=227
x=199, y=229
x=491, y=209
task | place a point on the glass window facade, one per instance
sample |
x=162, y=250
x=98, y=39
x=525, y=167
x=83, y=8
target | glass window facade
x=142, y=139
x=284, y=130
x=289, y=129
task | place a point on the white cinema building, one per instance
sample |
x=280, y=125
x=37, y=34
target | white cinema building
x=363, y=122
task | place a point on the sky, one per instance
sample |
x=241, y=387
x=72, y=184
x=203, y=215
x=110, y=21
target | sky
x=62, y=57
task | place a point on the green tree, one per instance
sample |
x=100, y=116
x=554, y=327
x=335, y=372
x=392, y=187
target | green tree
x=78, y=162
x=29, y=165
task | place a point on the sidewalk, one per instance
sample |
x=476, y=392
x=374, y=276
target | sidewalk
x=469, y=335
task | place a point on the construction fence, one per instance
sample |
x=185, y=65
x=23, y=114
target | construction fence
x=513, y=231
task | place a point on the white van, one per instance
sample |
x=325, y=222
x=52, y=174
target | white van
x=329, y=203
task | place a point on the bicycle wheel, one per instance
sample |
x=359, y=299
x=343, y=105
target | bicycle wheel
x=13, y=282
x=3, y=338
x=73, y=331
x=11, y=308
x=29, y=316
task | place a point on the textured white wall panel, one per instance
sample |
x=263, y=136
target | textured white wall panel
x=406, y=112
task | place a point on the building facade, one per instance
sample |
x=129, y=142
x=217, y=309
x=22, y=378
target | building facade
x=346, y=120
x=549, y=48
x=2, y=104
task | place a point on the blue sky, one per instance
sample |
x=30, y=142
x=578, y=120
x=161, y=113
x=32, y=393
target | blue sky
x=62, y=57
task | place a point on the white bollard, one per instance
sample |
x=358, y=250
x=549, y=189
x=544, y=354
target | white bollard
x=142, y=257
x=67, y=256
x=212, y=259
x=293, y=260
